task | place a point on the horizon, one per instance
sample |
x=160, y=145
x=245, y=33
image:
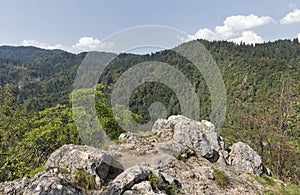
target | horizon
x=84, y=26
x=143, y=51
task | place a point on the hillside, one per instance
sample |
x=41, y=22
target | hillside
x=39, y=78
x=262, y=86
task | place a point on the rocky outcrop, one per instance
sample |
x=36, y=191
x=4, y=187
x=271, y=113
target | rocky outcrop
x=245, y=159
x=181, y=156
x=96, y=162
x=51, y=182
x=127, y=179
x=200, y=136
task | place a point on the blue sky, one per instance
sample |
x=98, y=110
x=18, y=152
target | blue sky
x=82, y=25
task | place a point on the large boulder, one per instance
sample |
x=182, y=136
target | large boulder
x=51, y=183
x=142, y=188
x=245, y=159
x=94, y=161
x=199, y=136
x=14, y=187
x=127, y=179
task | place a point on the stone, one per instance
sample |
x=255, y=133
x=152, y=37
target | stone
x=130, y=137
x=198, y=136
x=92, y=160
x=14, y=187
x=245, y=159
x=142, y=188
x=49, y=183
x=176, y=149
x=127, y=179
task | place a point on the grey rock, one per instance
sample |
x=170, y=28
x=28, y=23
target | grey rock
x=14, y=187
x=170, y=179
x=142, y=188
x=199, y=136
x=245, y=159
x=161, y=124
x=127, y=179
x=130, y=137
x=94, y=161
x=50, y=183
x=176, y=149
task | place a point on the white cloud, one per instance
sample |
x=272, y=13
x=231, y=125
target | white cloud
x=248, y=37
x=32, y=42
x=90, y=44
x=292, y=17
x=298, y=36
x=234, y=28
x=84, y=44
x=239, y=23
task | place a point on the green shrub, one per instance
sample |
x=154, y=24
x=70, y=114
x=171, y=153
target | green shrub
x=159, y=184
x=84, y=179
x=221, y=178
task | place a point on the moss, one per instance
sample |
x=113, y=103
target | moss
x=159, y=184
x=221, y=178
x=84, y=179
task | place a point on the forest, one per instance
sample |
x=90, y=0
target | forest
x=263, y=101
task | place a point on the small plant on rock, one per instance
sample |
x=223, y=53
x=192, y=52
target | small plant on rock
x=159, y=184
x=221, y=178
x=84, y=179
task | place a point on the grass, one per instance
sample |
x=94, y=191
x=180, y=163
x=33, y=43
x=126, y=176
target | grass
x=289, y=189
x=221, y=178
x=159, y=184
x=84, y=179
x=264, y=179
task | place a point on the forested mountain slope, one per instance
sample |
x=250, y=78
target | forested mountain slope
x=262, y=85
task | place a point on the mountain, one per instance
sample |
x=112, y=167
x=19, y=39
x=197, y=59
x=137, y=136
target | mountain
x=262, y=84
x=25, y=53
x=39, y=78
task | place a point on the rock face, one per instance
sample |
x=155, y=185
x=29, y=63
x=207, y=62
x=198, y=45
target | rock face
x=51, y=183
x=92, y=160
x=245, y=159
x=201, y=136
x=127, y=179
x=182, y=156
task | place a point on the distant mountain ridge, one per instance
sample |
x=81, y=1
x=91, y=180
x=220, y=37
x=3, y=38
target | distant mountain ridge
x=25, y=53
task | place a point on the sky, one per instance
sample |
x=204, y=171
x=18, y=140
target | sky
x=77, y=25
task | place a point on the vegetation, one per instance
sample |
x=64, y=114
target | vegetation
x=263, y=101
x=221, y=178
x=84, y=179
x=159, y=184
x=277, y=188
